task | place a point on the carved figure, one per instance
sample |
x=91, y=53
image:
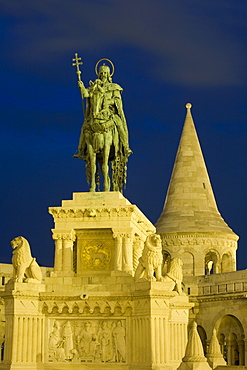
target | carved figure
x=56, y=351
x=118, y=334
x=151, y=260
x=105, y=339
x=87, y=341
x=68, y=341
x=25, y=266
x=174, y=277
x=96, y=255
x=104, y=133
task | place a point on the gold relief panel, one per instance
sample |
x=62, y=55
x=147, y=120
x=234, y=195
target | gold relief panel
x=96, y=255
x=94, y=251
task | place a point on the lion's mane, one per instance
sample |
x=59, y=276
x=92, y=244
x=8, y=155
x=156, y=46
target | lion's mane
x=152, y=252
x=175, y=271
x=22, y=253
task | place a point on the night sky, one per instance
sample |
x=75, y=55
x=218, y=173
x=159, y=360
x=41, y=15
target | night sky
x=166, y=53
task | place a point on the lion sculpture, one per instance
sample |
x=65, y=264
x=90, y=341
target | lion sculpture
x=25, y=266
x=151, y=260
x=173, y=279
x=150, y=265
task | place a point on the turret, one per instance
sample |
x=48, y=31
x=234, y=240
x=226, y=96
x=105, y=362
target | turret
x=190, y=224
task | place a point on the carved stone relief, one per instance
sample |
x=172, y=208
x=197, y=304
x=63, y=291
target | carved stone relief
x=95, y=249
x=96, y=255
x=197, y=240
x=87, y=341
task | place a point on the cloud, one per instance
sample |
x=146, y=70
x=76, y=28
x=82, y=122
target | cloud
x=193, y=42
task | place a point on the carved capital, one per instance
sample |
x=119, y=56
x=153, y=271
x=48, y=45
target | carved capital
x=64, y=235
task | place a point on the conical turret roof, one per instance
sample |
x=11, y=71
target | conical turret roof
x=190, y=205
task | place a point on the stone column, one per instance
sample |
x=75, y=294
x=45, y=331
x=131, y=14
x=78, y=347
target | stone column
x=128, y=253
x=63, y=261
x=241, y=346
x=118, y=255
x=229, y=352
x=67, y=254
x=245, y=350
x=58, y=252
x=217, y=268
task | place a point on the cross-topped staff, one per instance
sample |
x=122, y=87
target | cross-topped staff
x=77, y=63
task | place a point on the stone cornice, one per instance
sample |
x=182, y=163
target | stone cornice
x=21, y=295
x=103, y=213
x=64, y=298
x=218, y=297
x=59, y=212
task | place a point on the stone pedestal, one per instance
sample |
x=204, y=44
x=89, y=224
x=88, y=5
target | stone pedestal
x=24, y=334
x=96, y=233
x=90, y=314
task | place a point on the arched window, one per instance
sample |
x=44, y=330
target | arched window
x=230, y=334
x=211, y=263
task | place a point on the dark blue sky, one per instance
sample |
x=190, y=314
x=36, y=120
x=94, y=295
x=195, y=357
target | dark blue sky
x=166, y=53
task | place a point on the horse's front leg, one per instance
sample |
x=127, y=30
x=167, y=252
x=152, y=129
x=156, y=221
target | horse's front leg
x=92, y=157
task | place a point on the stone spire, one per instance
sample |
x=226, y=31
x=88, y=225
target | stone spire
x=190, y=206
x=194, y=357
x=214, y=355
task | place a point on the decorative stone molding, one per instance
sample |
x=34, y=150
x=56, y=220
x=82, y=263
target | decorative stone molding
x=101, y=232
x=199, y=239
x=89, y=308
x=64, y=250
x=64, y=235
x=58, y=212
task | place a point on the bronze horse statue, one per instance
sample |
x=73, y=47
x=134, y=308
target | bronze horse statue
x=103, y=141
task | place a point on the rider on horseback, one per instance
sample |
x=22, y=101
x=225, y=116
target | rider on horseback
x=104, y=107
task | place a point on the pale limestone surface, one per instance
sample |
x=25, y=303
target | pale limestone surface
x=91, y=313
x=214, y=355
x=190, y=224
x=109, y=233
x=220, y=303
x=194, y=358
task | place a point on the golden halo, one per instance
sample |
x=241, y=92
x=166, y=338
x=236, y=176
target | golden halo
x=108, y=60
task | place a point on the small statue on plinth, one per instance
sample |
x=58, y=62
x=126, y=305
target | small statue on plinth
x=104, y=135
x=26, y=269
x=150, y=265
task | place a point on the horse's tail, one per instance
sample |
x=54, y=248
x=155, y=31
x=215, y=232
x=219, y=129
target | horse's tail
x=119, y=171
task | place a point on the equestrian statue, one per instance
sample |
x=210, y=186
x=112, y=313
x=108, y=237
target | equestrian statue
x=103, y=143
